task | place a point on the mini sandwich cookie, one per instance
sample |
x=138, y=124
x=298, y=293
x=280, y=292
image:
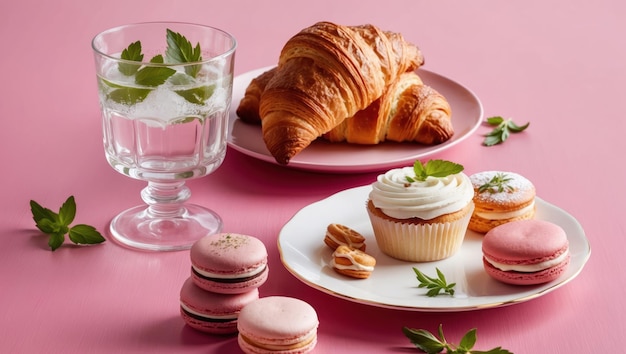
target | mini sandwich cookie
x=277, y=324
x=526, y=252
x=500, y=197
x=228, y=263
x=353, y=263
x=211, y=312
x=337, y=235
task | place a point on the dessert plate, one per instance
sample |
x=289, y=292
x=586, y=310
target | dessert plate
x=393, y=283
x=322, y=156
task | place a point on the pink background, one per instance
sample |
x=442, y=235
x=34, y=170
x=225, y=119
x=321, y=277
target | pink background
x=558, y=64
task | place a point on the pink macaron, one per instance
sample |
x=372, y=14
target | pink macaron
x=277, y=324
x=229, y=263
x=526, y=252
x=212, y=312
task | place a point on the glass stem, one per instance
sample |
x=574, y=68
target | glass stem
x=165, y=199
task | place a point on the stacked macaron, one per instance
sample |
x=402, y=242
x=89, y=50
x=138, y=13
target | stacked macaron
x=226, y=271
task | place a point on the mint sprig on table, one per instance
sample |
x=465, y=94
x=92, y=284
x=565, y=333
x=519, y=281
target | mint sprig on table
x=502, y=131
x=434, y=168
x=434, y=285
x=429, y=343
x=179, y=51
x=57, y=225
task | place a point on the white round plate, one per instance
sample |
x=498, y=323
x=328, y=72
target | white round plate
x=393, y=283
x=322, y=156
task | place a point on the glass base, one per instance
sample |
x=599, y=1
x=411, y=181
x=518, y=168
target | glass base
x=139, y=228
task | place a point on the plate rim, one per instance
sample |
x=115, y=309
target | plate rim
x=355, y=168
x=544, y=288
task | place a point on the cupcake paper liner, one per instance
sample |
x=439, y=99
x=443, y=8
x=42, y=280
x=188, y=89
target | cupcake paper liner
x=419, y=243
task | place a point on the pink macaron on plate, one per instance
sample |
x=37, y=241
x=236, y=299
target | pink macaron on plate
x=526, y=252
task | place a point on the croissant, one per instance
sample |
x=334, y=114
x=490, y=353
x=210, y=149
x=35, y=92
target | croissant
x=408, y=111
x=325, y=74
x=248, y=109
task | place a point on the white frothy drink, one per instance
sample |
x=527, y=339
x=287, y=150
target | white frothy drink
x=175, y=130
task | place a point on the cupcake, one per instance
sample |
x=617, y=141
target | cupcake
x=421, y=213
x=500, y=197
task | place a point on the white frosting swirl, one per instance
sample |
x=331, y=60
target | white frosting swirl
x=436, y=196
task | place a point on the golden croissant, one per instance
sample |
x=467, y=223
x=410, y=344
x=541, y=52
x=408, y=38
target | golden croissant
x=408, y=111
x=325, y=74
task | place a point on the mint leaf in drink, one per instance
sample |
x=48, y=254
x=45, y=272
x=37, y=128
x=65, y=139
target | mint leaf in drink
x=179, y=51
x=123, y=94
x=132, y=53
x=434, y=168
x=197, y=95
x=56, y=225
x=153, y=75
x=157, y=59
x=129, y=95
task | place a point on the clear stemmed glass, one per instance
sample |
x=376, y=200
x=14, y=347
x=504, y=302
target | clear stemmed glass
x=165, y=91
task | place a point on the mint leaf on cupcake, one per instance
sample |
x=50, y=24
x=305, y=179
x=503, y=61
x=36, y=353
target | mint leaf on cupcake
x=434, y=168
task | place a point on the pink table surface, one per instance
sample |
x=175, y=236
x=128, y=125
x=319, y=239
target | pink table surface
x=558, y=64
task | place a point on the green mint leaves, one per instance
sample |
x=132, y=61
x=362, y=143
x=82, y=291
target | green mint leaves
x=497, y=184
x=179, y=51
x=57, y=225
x=434, y=168
x=429, y=343
x=132, y=53
x=434, y=285
x=504, y=128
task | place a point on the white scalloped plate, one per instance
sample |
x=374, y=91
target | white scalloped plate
x=393, y=283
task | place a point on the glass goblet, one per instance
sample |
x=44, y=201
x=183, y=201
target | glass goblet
x=165, y=91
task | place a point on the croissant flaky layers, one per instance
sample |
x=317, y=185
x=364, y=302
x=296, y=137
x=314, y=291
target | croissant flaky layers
x=407, y=111
x=325, y=74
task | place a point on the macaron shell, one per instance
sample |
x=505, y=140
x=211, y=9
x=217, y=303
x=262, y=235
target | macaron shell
x=523, y=193
x=520, y=278
x=230, y=257
x=238, y=287
x=228, y=253
x=210, y=304
x=278, y=324
x=483, y=225
x=500, y=202
x=524, y=242
x=249, y=348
